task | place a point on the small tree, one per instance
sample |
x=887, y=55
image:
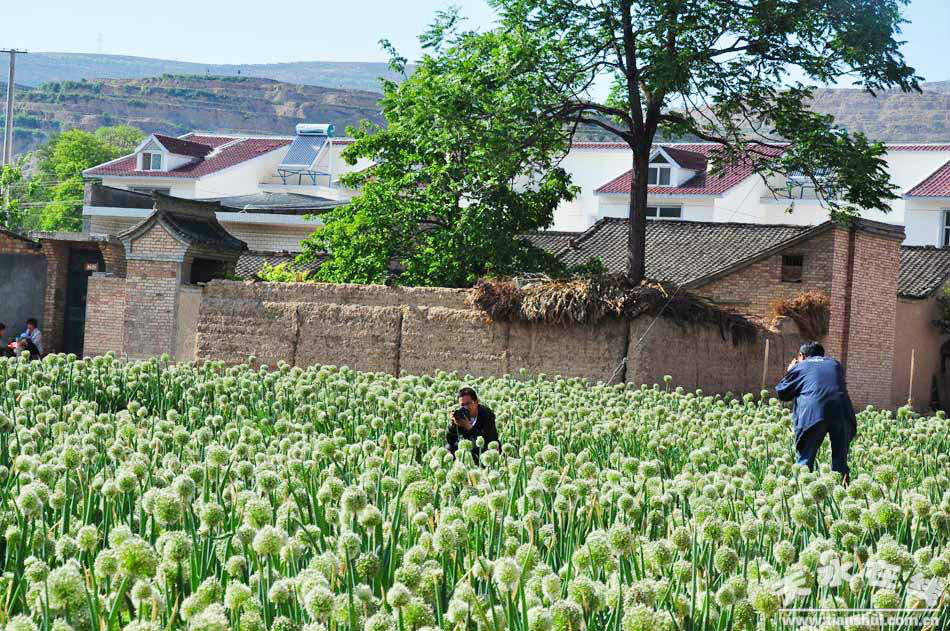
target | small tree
x=718, y=70
x=463, y=167
x=123, y=138
x=11, y=197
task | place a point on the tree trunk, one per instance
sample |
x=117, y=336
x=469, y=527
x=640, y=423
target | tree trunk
x=637, y=219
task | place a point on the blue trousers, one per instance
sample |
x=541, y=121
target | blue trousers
x=810, y=442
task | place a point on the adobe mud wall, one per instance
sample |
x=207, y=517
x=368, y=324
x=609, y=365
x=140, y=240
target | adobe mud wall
x=421, y=330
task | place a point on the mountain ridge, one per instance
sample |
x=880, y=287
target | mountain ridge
x=343, y=93
x=35, y=69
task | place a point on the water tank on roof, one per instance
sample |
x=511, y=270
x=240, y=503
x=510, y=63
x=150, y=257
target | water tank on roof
x=315, y=129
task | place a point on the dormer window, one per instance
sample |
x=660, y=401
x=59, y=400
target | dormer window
x=152, y=161
x=658, y=176
x=659, y=171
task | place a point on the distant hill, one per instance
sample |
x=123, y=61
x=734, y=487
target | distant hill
x=35, y=69
x=177, y=104
x=59, y=91
x=891, y=116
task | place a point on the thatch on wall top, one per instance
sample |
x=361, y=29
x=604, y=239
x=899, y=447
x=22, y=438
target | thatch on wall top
x=587, y=300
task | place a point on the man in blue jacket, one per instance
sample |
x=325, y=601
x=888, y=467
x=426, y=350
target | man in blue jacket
x=822, y=406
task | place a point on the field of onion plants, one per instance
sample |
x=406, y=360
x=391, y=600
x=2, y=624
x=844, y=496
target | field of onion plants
x=150, y=497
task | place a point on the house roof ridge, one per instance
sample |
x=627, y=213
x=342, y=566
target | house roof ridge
x=751, y=224
x=926, y=248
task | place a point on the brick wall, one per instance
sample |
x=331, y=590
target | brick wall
x=151, y=301
x=420, y=330
x=869, y=360
x=105, y=315
x=11, y=243
x=54, y=302
x=153, y=273
x=156, y=242
x=114, y=256
x=755, y=288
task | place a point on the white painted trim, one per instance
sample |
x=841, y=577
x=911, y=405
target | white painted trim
x=145, y=142
x=669, y=158
x=223, y=217
x=111, y=211
x=266, y=218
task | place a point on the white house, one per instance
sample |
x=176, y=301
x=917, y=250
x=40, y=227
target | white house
x=683, y=189
x=271, y=187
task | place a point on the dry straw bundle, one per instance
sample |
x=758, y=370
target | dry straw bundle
x=587, y=300
x=810, y=310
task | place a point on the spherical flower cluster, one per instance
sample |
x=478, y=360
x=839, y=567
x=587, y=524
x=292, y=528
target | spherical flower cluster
x=150, y=496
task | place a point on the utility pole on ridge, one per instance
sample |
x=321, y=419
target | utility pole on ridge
x=8, y=122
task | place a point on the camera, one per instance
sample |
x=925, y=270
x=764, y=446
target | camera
x=461, y=414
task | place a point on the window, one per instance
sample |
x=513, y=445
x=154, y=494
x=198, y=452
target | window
x=946, y=228
x=792, y=265
x=148, y=190
x=151, y=161
x=664, y=212
x=658, y=176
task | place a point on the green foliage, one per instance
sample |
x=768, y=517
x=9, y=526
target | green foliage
x=718, y=71
x=11, y=208
x=69, y=154
x=122, y=138
x=282, y=274
x=51, y=199
x=464, y=166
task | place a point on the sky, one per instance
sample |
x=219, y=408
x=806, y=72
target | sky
x=251, y=31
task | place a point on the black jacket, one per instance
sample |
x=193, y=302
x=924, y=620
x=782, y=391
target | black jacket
x=484, y=427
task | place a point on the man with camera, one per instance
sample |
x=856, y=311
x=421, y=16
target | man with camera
x=822, y=406
x=469, y=422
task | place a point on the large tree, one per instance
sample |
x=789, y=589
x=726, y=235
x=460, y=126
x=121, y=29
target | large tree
x=720, y=71
x=56, y=189
x=463, y=167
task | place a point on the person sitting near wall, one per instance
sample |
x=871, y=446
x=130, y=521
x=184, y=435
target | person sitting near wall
x=35, y=336
x=6, y=348
x=26, y=345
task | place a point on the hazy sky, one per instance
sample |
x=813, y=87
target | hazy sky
x=251, y=31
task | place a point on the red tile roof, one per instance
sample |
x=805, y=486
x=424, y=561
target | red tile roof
x=701, y=184
x=623, y=145
x=692, y=160
x=918, y=147
x=229, y=151
x=182, y=147
x=937, y=184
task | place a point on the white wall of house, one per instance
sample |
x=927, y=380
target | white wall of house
x=751, y=201
x=741, y=203
x=616, y=205
x=243, y=178
x=590, y=169
x=925, y=221
x=179, y=187
x=907, y=169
